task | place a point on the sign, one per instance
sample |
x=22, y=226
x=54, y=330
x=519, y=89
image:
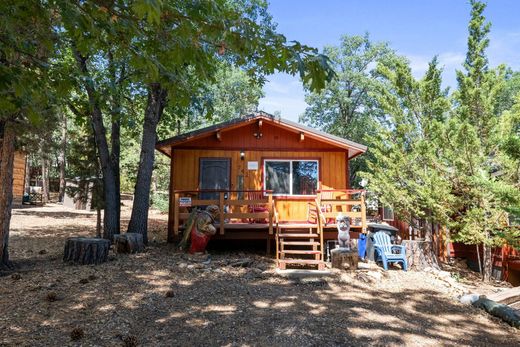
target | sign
x=252, y=165
x=185, y=202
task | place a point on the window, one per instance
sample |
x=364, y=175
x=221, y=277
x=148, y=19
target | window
x=388, y=213
x=291, y=177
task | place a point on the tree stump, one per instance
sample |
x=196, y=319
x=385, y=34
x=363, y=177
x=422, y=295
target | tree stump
x=420, y=254
x=83, y=250
x=344, y=259
x=128, y=243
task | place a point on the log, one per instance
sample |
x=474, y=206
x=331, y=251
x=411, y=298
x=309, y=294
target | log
x=344, y=259
x=128, y=243
x=506, y=313
x=83, y=250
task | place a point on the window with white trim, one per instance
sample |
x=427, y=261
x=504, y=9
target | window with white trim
x=291, y=177
x=388, y=213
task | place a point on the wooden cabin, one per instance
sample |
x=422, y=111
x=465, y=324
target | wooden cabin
x=270, y=177
x=20, y=161
x=18, y=176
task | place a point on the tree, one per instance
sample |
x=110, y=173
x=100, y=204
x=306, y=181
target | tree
x=472, y=149
x=232, y=94
x=200, y=34
x=407, y=170
x=347, y=106
x=25, y=47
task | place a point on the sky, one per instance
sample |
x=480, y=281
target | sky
x=417, y=29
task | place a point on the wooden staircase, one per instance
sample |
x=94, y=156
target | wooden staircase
x=297, y=248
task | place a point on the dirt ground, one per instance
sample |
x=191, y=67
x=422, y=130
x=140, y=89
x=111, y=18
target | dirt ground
x=159, y=298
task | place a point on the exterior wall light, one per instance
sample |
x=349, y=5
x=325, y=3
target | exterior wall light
x=242, y=155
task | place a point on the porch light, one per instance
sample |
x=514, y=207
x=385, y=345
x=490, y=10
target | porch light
x=242, y=155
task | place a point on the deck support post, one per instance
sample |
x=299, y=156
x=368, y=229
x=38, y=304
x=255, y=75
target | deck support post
x=221, y=212
x=176, y=214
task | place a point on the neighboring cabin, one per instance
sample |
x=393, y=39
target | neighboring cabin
x=18, y=176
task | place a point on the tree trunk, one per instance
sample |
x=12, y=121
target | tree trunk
x=479, y=262
x=116, y=131
x=488, y=262
x=7, y=139
x=83, y=251
x=98, y=222
x=112, y=204
x=154, y=109
x=128, y=243
x=345, y=260
x=45, y=180
x=27, y=187
x=61, y=158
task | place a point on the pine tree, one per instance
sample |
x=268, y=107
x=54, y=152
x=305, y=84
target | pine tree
x=481, y=195
x=407, y=172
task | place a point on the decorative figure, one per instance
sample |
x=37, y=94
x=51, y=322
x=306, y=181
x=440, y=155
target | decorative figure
x=203, y=229
x=343, y=225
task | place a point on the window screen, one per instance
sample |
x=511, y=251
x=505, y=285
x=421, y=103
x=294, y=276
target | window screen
x=291, y=177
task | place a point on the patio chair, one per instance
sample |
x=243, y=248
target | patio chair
x=256, y=208
x=387, y=252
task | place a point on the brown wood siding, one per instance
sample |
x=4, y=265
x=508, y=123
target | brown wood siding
x=333, y=171
x=273, y=138
x=18, y=176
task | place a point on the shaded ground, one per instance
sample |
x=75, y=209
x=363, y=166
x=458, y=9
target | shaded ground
x=159, y=298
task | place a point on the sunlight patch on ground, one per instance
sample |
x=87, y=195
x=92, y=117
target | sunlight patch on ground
x=261, y=304
x=172, y=315
x=283, y=304
x=219, y=308
x=106, y=308
x=198, y=322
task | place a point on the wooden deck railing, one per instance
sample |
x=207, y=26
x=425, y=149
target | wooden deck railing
x=234, y=208
x=349, y=202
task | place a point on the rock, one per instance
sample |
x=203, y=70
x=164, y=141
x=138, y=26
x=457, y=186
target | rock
x=469, y=299
x=182, y=265
x=246, y=262
x=16, y=277
x=199, y=258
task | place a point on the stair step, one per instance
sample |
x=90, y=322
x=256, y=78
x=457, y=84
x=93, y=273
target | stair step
x=295, y=235
x=300, y=243
x=300, y=261
x=294, y=251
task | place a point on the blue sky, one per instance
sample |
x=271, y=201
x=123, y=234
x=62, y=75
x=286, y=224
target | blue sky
x=414, y=28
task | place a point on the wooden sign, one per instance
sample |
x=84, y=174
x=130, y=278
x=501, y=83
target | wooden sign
x=185, y=202
x=252, y=165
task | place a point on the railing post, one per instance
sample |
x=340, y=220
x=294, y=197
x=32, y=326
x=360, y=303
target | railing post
x=270, y=208
x=363, y=214
x=221, y=209
x=176, y=214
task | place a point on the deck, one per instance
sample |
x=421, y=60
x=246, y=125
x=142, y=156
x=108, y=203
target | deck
x=252, y=215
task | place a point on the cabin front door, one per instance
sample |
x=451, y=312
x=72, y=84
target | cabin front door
x=214, y=175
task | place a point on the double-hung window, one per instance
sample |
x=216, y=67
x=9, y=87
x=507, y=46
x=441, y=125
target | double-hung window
x=291, y=177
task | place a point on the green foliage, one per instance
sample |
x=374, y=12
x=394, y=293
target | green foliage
x=405, y=171
x=160, y=201
x=347, y=106
x=457, y=165
x=26, y=45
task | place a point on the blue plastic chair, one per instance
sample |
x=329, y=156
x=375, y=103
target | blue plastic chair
x=386, y=252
